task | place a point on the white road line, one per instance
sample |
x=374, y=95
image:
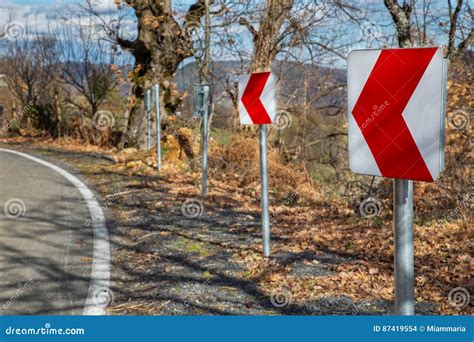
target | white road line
x=96, y=301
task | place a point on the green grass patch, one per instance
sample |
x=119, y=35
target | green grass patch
x=190, y=246
x=222, y=136
x=323, y=173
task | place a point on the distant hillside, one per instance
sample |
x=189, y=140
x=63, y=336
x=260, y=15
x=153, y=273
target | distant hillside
x=290, y=88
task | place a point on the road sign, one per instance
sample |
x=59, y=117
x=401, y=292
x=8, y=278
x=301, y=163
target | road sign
x=156, y=93
x=257, y=104
x=202, y=108
x=396, y=100
x=404, y=260
x=396, y=115
x=202, y=97
x=148, y=118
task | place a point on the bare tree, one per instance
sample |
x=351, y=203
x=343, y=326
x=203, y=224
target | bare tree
x=30, y=67
x=401, y=15
x=277, y=30
x=293, y=43
x=163, y=41
x=87, y=67
x=402, y=18
x=267, y=39
x=453, y=50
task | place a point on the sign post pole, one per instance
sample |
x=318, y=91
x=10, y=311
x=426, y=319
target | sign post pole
x=148, y=118
x=258, y=106
x=264, y=190
x=205, y=132
x=404, y=258
x=202, y=108
x=396, y=130
x=156, y=89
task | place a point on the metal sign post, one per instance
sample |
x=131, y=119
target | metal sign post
x=264, y=190
x=205, y=133
x=156, y=91
x=412, y=117
x=148, y=118
x=258, y=106
x=403, y=225
x=443, y=113
x=404, y=258
x=202, y=106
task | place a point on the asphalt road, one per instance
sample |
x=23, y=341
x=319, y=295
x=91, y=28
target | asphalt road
x=46, y=241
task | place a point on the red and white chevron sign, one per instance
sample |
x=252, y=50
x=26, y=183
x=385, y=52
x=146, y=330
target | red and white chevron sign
x=395, y=111
x=257, y=104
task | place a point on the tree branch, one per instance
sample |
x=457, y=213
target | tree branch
x=401, y=17
x=249, y=26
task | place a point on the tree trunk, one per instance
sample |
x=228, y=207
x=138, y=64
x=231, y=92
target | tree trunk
x=161, y=46
x=169, y=101
x=401, y=16
x=266, y=39
x=58, y=112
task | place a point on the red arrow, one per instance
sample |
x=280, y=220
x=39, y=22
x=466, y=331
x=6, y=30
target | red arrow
x=251, y=98
x=392, y=82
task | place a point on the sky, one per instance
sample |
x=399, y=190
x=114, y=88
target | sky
x=25, y=18
x=30, y=17
x=42, y=14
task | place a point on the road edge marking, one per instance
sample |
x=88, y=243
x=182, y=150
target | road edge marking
x=100, y=271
